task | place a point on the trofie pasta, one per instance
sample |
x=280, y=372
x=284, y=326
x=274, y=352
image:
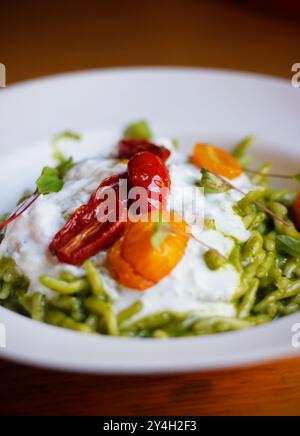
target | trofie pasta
x=159, y=272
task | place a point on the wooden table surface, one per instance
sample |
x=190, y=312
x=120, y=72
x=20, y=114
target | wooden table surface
x=40, y=38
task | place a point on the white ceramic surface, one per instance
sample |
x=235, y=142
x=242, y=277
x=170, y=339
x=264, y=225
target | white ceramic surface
x=189, y=104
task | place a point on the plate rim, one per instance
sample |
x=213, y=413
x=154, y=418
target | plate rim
x=245, y=359
x=140, y=69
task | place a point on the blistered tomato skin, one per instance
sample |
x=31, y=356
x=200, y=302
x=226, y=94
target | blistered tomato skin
x=123, y=271
x=92, y=239
x=216, y=160
x=127, y=148
x=112, y=182
x=84, y=235
x=148, y=171
x=141, y=272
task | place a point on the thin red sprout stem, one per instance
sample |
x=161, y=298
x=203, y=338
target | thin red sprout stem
x=20, y=210
x=256, y=202
x=276, y=176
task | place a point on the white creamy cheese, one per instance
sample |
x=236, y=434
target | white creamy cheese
x=191, y=286
x=27, y=239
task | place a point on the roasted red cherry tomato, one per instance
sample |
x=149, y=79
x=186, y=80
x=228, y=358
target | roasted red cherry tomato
x=89, y=241
x=127, y=148
x=84, y=235
x=148, y=171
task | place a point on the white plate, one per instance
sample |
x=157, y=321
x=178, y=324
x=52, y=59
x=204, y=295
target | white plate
x=189, y=104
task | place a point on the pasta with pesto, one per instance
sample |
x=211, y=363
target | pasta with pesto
x=238, y=268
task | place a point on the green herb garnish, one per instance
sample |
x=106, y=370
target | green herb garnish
x=297, y=177
x=3, y=217
x=211, y=183
x=160, y=233
x=175, y=144
x=139, y=130
x=64, y=167
x=161, y=230
x=272, y=175
x=258, y=203
x=240, y=151
x=210, y=224
x=49, y=181
x=26, y=194
x=288, y=245
x=58, y=155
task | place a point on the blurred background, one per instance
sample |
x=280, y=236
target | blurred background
x=38, y=38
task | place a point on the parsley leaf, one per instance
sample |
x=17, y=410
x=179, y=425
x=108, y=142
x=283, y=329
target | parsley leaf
x=64, y=167
x=240, y=151
x=139, y=130
x=49, y=181
x=161, y=231
x=58, y=155
x=211, y=183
